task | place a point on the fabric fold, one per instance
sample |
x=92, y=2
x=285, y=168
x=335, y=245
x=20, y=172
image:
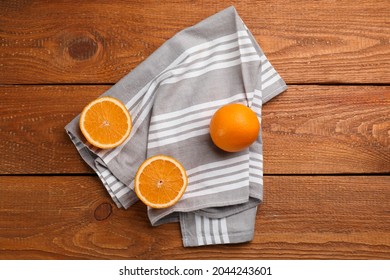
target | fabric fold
x=171, y=97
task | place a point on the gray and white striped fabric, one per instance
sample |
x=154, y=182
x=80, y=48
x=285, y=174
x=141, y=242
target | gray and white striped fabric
x=171, y=97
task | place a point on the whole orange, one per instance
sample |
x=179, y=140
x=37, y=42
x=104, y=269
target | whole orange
x=234, y=127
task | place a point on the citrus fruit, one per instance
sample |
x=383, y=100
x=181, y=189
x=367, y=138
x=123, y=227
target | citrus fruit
x=105, y=122
x=234, y=127
x=160, y=181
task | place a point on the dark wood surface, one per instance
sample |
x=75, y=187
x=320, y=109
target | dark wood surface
x=326, y=140
x=308, y=129
x=309, y=217
x=99, y=42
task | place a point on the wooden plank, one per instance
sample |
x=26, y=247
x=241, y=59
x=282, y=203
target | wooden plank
x=328, y=129
x=307, y=129
x=320, y=217
x=32, y=122
x=307, y=42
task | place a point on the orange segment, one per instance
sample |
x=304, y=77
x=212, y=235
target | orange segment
x=105, y=122
x=160, y=181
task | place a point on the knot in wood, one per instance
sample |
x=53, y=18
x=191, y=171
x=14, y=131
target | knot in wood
x=103, y=211
x=82, y=48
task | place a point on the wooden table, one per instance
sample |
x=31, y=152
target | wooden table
x=326, y=140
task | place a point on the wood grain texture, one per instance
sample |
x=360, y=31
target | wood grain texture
x=307, y=129
x=32, y=121
x=328, y=129
x=326, y=147
x=99, y=42
x=301, y=218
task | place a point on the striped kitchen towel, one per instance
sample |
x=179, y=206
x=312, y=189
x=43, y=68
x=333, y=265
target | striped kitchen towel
x=171, y=97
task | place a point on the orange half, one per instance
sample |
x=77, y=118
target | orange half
x=160, y=181
x=105, y=122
